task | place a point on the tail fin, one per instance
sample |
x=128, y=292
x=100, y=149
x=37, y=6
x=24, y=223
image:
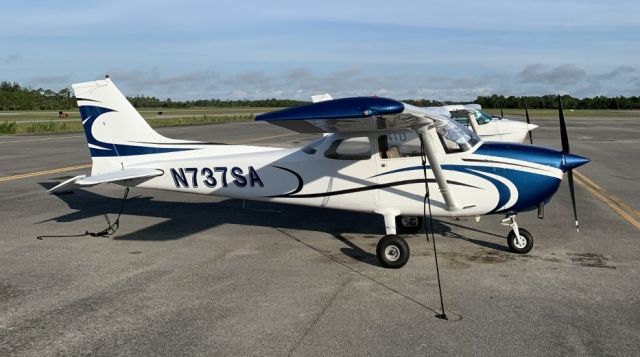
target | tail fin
x=116, y=133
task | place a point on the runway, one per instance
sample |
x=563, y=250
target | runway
x=198, y=275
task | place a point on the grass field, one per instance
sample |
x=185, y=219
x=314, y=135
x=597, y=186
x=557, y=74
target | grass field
x=147, y=113
x=35, y=122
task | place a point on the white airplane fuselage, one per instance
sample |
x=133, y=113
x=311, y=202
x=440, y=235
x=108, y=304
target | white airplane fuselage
x=481, y=182
x=505, y=130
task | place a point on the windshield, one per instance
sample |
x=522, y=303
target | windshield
x=482, y=117
x=458, y=134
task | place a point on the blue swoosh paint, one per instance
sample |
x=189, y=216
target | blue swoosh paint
x=528, y=199
x=504, y=194
x=410, y=168
x=89, y=114
x=532, y=188
x=529, y=153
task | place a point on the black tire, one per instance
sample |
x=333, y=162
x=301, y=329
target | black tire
x=392, y=251
x=408, y=224
x=517, y=246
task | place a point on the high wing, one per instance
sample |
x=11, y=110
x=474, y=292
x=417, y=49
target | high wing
x=357, y=114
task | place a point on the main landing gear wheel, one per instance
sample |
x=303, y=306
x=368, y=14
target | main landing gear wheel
x=522, y=244
x=392, y=251
x=408, y=224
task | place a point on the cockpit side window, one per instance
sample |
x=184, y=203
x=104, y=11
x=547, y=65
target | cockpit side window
x=461, y=116
x=455, y=137
x=398, y=145
x=356, y=148
x=449, y=145
x=482, y=117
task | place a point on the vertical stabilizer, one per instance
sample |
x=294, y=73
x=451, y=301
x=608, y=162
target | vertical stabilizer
x=116, y=133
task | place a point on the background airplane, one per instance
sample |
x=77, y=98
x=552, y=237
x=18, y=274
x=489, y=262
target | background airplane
x=488, y=127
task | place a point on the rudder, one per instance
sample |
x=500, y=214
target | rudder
x=116, y=133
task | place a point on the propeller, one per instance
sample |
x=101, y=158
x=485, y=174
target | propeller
x=526, y=112
x=501, y=112
x=570, y=161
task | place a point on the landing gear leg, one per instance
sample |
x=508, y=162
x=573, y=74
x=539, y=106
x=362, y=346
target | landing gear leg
x=392, y=250
x=519, y=239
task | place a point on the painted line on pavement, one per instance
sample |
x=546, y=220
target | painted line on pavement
x=84, y=166
x=42, y=139
x=620, y=207
x=45, y=172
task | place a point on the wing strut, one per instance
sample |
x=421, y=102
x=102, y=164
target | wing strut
x=473, y=121
x=437, y=170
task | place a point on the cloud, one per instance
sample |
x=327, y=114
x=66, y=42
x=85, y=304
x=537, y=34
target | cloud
x=299, y=83
x=302, y=82
x=161, y=82
x=615, y=73
x=565, y=74
x=52, y=81
x=10, y=59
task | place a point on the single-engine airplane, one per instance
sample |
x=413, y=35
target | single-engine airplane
x=487, y=127
x=382, y=156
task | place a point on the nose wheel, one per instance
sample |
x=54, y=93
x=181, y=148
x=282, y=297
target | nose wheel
x=392, y=251
x=519, y=239
x=520, y=244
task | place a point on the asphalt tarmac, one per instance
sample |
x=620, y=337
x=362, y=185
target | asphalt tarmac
x=194, y=275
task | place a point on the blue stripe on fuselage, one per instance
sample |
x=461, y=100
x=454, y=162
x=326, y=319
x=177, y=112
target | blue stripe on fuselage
x=532, y=188
x=534, y=154
x=89, y=114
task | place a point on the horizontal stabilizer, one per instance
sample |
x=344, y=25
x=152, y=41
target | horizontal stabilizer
x=66, y=183
x=110, y=177
x=128, y=174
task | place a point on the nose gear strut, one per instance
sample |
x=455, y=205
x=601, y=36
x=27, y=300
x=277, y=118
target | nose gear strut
x=519, y=239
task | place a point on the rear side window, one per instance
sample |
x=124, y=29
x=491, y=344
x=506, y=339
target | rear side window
x=358, y=148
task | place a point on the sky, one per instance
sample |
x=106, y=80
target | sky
x=442, y=50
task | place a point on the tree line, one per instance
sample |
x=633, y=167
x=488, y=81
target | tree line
x=141, y=101
x=16, y=97
x=549, y=101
